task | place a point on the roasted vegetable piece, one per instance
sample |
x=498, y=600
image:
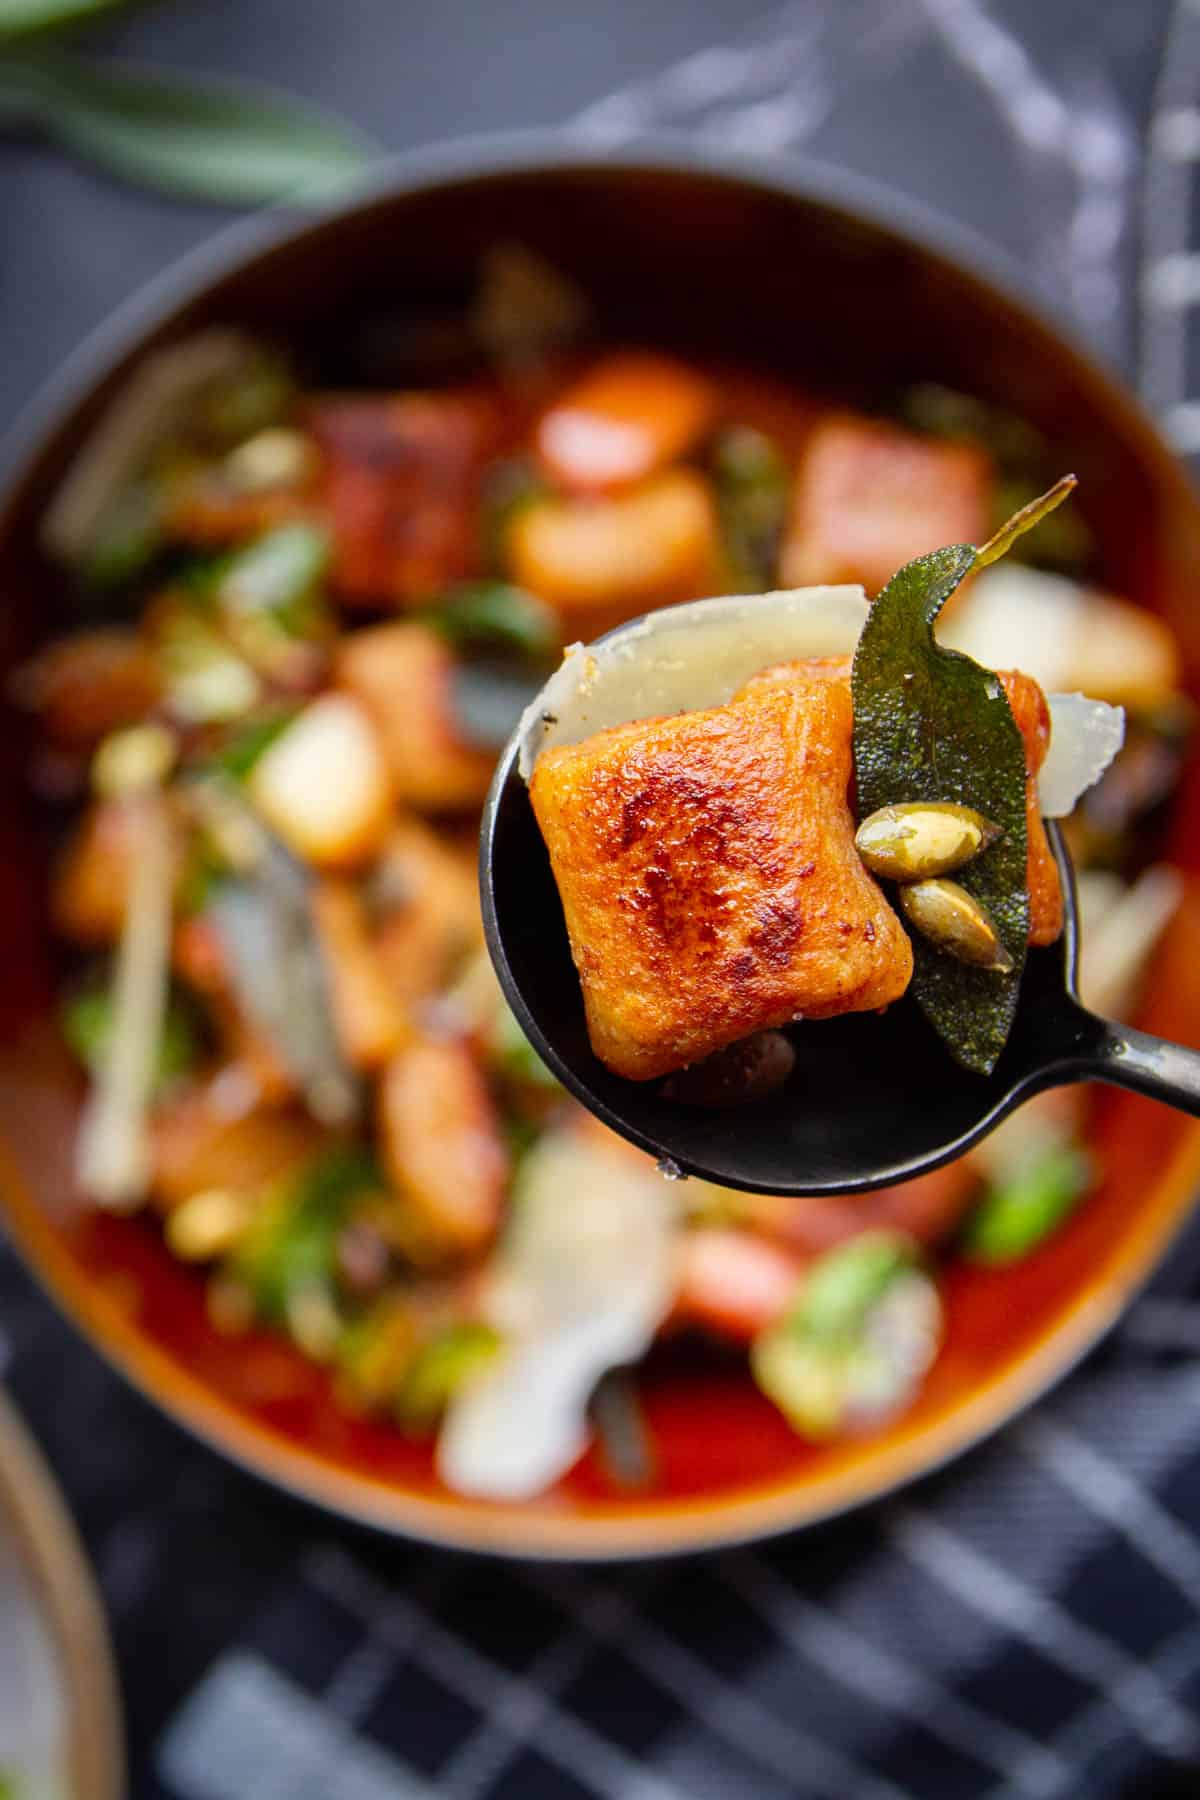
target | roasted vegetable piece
x=323, y=785
x=709, y=878
x=1032, y=716
x=85, y=686
x=629, y=415
x=205, y=507
x=200, y=1141
x=440, y=1144
x=870, y=497
x=370, y=1020
x=402, y=482
x=614, y=557
x=91, y=882
x=403, y=674
x=424, y=898
x=734, y=1283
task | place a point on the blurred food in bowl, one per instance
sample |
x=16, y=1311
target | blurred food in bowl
x=313, y=617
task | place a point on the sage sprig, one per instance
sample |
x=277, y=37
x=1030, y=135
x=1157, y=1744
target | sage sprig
x=234, y=142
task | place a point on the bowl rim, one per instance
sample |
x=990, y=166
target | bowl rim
x=672, y=1527
x=54, y=1559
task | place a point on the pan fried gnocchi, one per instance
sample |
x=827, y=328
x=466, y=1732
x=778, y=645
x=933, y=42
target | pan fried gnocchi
x=709, y=878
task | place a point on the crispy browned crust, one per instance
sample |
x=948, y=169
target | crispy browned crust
x=1032, y=717
x=709, y=878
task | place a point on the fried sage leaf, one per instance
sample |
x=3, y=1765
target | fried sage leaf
x=930, y=724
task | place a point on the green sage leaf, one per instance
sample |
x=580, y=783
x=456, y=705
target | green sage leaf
x=231, y=142
x=1017, y=1215
x=496, y=616
x=26, y=18
x=930, y=724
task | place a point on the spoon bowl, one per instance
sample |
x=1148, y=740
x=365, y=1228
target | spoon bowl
x=871, y=1100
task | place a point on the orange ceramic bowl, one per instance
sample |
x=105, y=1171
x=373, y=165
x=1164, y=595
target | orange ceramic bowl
x=805, y=274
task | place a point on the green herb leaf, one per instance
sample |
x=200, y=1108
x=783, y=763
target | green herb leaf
x=238, y=755
x=291, y=1247
x=752, y=487
x=86, y=1020
x=230, y=142
x=494, y=615
x=510, y=487
x=25, y=18
x=858, y=1341
x=930, y=724
x=278, y=573
x=1015, y=1217
x=845, y=1283
x=439, y=1369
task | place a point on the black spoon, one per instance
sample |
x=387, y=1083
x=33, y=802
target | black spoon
x=870, y=1101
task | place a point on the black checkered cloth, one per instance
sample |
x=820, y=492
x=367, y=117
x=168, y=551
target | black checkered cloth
x=1025, y=1625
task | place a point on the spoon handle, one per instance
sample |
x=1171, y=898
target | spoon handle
x=1149, y=1065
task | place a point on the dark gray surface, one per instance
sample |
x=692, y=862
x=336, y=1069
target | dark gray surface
x=73, y=245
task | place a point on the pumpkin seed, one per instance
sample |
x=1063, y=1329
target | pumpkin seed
x=954, y=921
x=922, y=839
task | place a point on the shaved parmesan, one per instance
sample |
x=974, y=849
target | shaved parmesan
x=685, y=658
x=1085, y=735
x=1120, y=927
x=579, y=1286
